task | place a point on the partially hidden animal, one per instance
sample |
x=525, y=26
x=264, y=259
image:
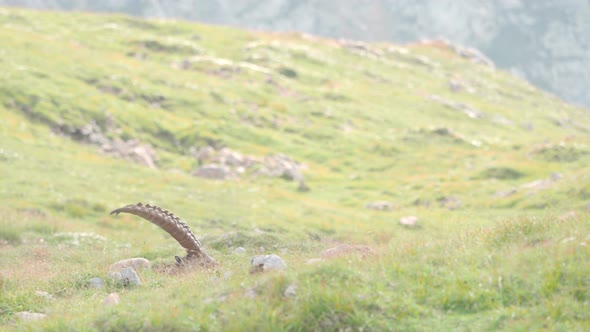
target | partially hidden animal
x=179, y=230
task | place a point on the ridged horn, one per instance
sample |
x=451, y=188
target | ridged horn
x=173, y=226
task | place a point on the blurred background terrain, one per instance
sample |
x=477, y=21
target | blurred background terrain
x=544, y=41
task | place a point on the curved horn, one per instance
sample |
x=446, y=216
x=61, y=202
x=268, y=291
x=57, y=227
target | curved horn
x=172, y=225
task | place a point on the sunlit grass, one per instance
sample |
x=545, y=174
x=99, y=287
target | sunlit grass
x=365, y=124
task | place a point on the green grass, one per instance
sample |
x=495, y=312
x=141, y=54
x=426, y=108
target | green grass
x=367, y=126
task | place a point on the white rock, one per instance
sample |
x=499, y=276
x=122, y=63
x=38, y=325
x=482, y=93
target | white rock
x=265, y=263
x=409, y=221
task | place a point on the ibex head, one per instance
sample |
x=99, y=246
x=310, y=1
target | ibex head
x=176, y=228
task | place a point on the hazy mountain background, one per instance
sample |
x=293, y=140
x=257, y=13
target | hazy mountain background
x=544, y=41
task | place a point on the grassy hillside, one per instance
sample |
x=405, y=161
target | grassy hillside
x=495, y=170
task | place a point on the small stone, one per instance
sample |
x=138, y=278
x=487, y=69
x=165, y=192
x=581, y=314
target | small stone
x=96, y=282
x=239, y=251
x=409, y=221
x=26, y=316
x=290, y=291
x=111, y=299
x=138, y=263
x=265, y=263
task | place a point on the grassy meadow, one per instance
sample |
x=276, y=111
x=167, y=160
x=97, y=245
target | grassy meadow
x=495, y=170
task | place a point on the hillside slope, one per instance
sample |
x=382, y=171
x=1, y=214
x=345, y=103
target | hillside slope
x=545, y=42
x=495, y=170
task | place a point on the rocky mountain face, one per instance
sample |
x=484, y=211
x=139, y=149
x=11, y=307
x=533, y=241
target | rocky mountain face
x=544, y=41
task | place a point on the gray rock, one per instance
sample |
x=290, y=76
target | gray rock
x=264, y=263
x=138, y=263
x=28, y=316
x=127, y=276
x=96, y=282
x=133, y=150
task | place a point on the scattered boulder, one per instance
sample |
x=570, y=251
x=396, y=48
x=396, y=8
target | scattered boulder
x=26, y=316
x=225, y=164
x=380, y=206
x=409, y=221
x=138, y=263
x=132, y=150
x=111, y=299
x=128, y=276
x=345, y=249
x=90, y=133
x=281, y=165
x=264, y=263
x=96, y=282
x=203, y=154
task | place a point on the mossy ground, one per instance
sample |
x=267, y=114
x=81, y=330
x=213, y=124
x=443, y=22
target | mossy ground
x=364, y=121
